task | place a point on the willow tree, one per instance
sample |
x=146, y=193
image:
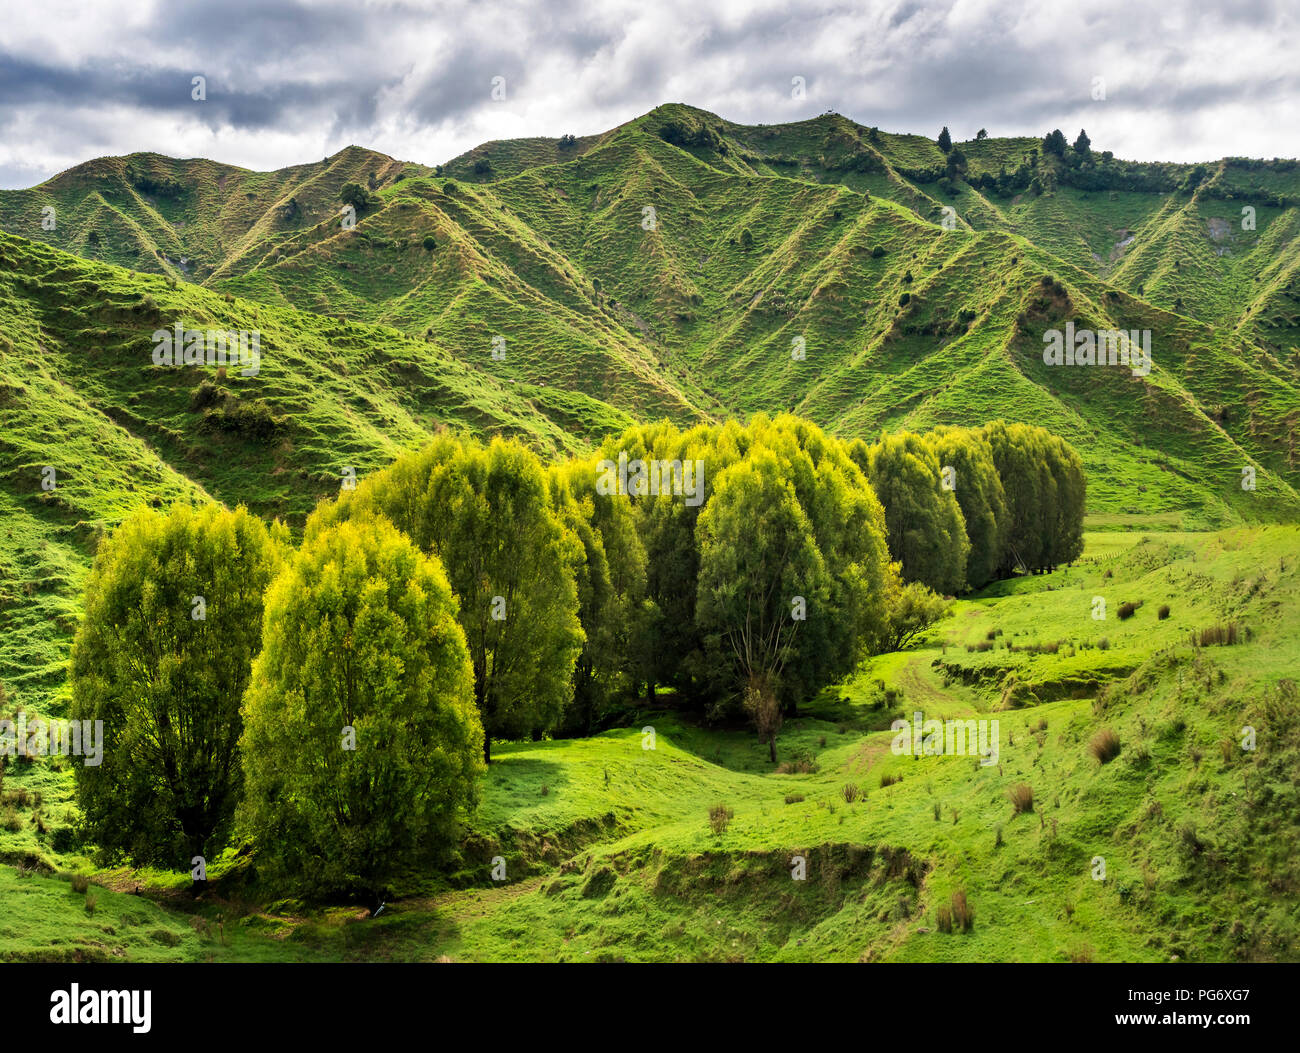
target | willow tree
x=978, y=488
x=760, y=574
x=848, y=528
x=173, y=618
x=486, y=513
x=610, y=573
x=362, y=742
x=1066, y=544
x=923, y=521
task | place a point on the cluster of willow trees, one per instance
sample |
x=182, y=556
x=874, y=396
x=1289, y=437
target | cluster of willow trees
x=1009, y=497
x=336, y=702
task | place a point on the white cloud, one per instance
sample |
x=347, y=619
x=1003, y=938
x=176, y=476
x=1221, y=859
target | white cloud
x=291, y=81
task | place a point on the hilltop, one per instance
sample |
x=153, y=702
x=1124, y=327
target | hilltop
x=669, y=266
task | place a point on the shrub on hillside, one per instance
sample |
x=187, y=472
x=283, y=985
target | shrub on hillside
x=1104, y=746
x=720, y=817
x=963, y=914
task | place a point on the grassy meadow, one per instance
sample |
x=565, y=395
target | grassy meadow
x=610, y=852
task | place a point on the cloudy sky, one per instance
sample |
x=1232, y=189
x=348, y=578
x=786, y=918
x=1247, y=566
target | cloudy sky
x=290, y=81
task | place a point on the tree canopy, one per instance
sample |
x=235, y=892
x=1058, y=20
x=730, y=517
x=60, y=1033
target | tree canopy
x=173, y=619
x=362, y=742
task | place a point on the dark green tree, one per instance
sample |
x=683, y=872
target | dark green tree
x=978, y=489
x=923, y=522
x=610, y=577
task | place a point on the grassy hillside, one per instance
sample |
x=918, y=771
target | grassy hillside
x=669, y=267
x=610, y=853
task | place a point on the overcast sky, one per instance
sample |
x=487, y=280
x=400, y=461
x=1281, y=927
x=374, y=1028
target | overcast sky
x=290, y=81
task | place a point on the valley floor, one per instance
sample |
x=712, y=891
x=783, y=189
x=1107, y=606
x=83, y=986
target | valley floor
x=1184, y=846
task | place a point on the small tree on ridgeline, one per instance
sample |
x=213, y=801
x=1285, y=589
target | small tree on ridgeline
x=361, y=741
x=357, y=196
x=173, y=617
x=945, y=140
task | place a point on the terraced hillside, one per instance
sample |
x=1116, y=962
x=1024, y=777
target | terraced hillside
x=680, y=265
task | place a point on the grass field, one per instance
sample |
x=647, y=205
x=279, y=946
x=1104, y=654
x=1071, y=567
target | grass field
x=609, y=852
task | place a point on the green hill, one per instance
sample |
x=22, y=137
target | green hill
x=682, y=266
x=762, y=238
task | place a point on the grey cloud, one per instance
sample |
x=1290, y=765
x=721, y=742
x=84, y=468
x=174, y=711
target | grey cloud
x=286, y=77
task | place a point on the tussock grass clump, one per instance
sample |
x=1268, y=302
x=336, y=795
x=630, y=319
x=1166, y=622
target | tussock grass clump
x=1022, y=798
x=794, y=798
x=80, y=883
x=1127, y=610
x=1163, y=612
x=1104, y=746
x=963, y=914
x=1225, y=634
x=720, y=817
x=851, y=792
x=889, y=780
x=91, y=902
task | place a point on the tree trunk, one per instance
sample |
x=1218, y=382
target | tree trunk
x=650, y=691
x=771, y=749
x=487, y=748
